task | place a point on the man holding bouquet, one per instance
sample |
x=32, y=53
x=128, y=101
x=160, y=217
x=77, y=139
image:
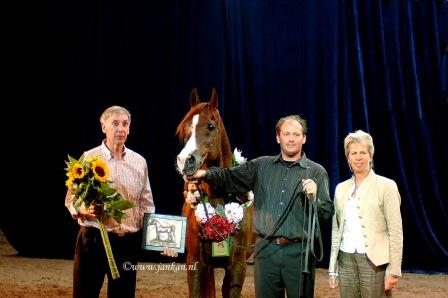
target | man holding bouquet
x=128, y=175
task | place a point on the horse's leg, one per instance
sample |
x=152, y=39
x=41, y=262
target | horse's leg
x=200, y=274
x=192, y=250
x=235, y=273
x=208, y=281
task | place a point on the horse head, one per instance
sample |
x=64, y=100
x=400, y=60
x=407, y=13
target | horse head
x=203, y=135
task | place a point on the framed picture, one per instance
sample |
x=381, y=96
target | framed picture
x=161, y=230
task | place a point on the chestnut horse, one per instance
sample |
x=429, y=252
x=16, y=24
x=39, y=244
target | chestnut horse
x=206, y=143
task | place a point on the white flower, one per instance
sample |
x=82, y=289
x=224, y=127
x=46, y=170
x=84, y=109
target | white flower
x=192, y=197
x=234, y=212
x=201, y=216
x=239, y=159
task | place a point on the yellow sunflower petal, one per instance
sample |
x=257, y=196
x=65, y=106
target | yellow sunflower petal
x=69, y=182
x=100, y=170
x=78, y=171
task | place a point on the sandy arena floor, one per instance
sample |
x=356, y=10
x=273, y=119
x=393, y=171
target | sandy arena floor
x=30, y=277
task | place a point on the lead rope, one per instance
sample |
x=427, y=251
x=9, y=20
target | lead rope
x=313, y=221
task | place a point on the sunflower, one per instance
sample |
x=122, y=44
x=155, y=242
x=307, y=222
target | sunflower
x=100, y=170
x=69, y=181
x=77, y=171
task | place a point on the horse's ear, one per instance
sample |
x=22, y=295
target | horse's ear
x=194, y=97
x=214, y=99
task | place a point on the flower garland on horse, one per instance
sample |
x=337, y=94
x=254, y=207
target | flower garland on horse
x=220, y=222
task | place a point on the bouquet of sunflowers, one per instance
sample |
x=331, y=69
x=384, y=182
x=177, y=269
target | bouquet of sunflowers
x=88, y=180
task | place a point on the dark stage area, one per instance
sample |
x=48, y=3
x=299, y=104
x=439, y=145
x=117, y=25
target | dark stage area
x=379, y=66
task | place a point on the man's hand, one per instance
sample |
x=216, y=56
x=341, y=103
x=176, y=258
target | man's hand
x=168, y=252
x=90, y=213
x=198, y=175
x=310, y=188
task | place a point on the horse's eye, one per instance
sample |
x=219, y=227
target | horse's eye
x=211, y=126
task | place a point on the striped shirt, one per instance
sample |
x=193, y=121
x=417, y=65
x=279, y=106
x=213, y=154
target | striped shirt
x=275, y=182
x=129, y=176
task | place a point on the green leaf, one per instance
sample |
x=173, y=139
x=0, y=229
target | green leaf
x=106, y=190
x=220, y=210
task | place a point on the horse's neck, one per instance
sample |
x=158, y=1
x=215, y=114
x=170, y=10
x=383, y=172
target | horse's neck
x=226, y=150
x=207, y=189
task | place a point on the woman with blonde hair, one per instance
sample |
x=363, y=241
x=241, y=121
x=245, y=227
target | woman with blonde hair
x=367, y=234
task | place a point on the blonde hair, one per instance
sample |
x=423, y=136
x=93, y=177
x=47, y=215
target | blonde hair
x=360, y=137
x=112, y=111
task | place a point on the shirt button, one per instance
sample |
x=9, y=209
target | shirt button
x=283, y=191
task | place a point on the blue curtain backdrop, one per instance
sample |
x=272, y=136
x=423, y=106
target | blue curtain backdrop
x=380, y=66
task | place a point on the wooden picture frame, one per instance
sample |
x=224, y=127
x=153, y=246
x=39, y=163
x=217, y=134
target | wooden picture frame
x=160, y=230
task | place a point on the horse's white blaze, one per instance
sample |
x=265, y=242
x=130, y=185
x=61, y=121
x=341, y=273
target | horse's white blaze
x=190, y=146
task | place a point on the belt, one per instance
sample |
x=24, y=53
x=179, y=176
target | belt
x=281, y=240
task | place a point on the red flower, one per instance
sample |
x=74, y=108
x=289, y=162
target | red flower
x=221, y=224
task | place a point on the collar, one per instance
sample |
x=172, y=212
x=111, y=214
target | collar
x=369, y=177
x=109, y=153
x=303, y=161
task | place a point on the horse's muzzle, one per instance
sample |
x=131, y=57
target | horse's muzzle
x=192, y=164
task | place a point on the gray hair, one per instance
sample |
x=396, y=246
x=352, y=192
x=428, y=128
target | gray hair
x=360, y=137
x=112, y=111
x=297, y=118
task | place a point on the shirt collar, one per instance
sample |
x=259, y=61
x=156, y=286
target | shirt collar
x=108, y=153
x=303, y=161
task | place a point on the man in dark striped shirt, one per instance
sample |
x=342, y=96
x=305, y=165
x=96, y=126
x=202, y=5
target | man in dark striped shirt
x=283, y=186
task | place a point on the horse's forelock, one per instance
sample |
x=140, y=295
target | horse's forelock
x=214, y=113
x=180, y=131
